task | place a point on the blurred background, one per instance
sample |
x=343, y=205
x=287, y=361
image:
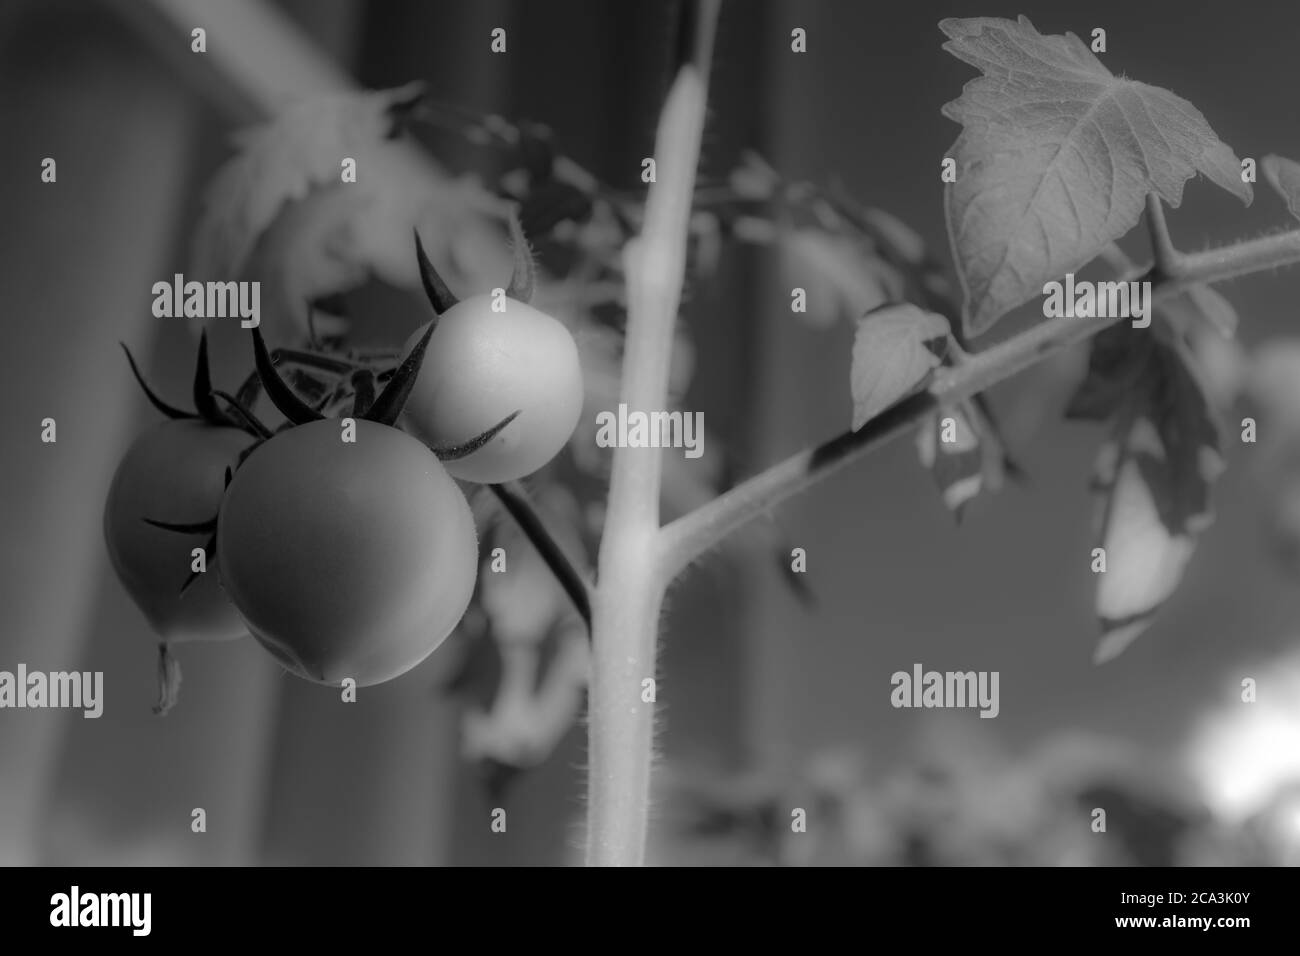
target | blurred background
x=769, y=701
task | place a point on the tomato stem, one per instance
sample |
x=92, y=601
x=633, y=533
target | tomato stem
x=691, y=535
x=630, y=584
x=515, y=500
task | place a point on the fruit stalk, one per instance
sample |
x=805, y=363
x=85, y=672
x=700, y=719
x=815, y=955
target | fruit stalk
x=630, y=589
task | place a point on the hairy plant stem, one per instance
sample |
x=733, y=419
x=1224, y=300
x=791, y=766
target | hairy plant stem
x=630, y=588
x=691, y=535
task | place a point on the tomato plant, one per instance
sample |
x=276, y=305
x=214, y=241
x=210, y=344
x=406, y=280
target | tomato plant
x=355, y=558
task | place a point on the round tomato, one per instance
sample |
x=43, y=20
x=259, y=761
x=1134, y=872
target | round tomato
x=347, y=559
x=482, y=365
x=174, y=473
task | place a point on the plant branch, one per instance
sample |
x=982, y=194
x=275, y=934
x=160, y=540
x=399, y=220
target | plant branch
x=630, y=588
x=516, y=502
x=1168, y=260
x=691, y=535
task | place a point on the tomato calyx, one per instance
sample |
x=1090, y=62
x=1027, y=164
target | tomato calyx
x=523, y=281
x=244, y=414
x=454, y=452
x=383, y=409
x=205, y=405
x=208, y=527
x=435, y=290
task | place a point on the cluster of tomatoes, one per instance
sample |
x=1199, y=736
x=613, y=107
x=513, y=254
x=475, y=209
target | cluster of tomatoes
x=342, y=542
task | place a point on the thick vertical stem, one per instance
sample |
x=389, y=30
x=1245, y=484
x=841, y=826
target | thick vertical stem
x=629, y=593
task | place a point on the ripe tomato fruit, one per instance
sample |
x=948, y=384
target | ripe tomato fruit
x=480, y=366
x=174, y=472
x=347, y=559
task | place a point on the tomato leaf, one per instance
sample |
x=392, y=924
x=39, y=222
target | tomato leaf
x=1154, y=478
x=284, y=160
x=1284, y=176
x=895, y=351
x=1116, y=363
x=1055, y=160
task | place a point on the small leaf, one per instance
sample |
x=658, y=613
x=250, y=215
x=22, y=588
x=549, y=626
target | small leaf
x=1055, y=160
x=1284, y=176
x=896, y=350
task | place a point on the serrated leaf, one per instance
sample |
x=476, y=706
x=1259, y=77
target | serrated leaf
x=278, y=213
x=1055, y=160
x=895, y=351
x=281, y=161
x=1154, y=477
x=1284, y=176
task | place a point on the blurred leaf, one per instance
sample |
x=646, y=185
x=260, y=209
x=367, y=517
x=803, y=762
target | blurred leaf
x=283, y=160
x=1055, y=160
x=278, y=212
x=842, y=276
x=1116, y=362
x=895, y=351
x=973, y=461
x=1154, y=477
x=1284, y=176
x=1202, y=304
